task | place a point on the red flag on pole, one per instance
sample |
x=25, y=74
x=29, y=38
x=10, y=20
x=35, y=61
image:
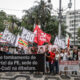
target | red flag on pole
x=40, y=36
x=68, y=43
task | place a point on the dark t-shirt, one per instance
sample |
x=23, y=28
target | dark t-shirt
x=75, y=56
x=47, y=54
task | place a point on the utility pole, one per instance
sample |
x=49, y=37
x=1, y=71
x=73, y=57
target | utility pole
x=74, y=21
x=60, y=15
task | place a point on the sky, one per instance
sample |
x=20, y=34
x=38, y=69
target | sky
x=16, y=7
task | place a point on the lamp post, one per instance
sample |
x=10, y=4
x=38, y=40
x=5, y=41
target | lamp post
x=60, y=16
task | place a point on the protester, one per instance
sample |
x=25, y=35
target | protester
x=52, y=61
x=47, y=59
x=29, y=50
x=11, y=50
x=41, y=51
x=19, y=50
x=7, y=50
x=75, y=57
x=57, y=58
x=34, y=50
x=22, y=51
x=26, y=51
x=75, y=54
x=2, y=49
x=63, y=55
x=16, y=50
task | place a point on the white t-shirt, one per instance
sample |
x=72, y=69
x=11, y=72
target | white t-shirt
x=64, y=56
x=57, y=56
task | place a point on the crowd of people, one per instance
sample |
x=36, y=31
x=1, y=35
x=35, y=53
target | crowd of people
x=52, y=56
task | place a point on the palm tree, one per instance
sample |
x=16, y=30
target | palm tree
x=2, y=19
x=14, y=25
x=39, y=14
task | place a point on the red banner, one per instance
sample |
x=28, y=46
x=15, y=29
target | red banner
x=40, y=36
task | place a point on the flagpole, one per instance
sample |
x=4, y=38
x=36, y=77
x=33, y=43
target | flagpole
x=37, y=38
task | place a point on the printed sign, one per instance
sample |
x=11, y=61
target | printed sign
x=79, y=55
x=69, y=66
x=22, y=62
x=27, y=35
x=9, y=37
x=59, y=43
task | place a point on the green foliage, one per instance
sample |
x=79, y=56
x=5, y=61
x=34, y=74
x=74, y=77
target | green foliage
x=26, y=25
x=39, y=14
x=14, y=25
x=16, y=30
x=2, y=18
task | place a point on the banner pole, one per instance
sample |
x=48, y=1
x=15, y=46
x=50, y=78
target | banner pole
x=44, y=63
x=37, y=38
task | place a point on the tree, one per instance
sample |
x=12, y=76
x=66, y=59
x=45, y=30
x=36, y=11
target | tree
x=2, y=19
x=39, y=14
x=17, y=30
x=52, y=28
x=14, y=25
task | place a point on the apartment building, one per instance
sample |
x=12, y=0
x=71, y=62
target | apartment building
x=73, y=24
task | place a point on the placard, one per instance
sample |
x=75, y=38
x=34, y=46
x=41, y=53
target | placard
x=59, y=42
x=21, y=62
x=69, y=66
x=79, y=55
x=8, y=36
x=27, y=35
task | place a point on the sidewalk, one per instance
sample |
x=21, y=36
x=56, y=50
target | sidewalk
x=28, y=76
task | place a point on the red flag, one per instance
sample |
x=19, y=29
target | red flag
x=68, y=42
x=40, y=36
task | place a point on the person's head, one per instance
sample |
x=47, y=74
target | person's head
x=2, y=49
x=46, y=50
x=57, y=52
x=7, y=49
x=32, y=49
x=47, y=46
x=41, y=48
x=53, y=49
x=36, y=49
x=75, y=51
x=63, y=50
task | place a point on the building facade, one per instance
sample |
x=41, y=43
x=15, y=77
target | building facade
x=73, y=24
